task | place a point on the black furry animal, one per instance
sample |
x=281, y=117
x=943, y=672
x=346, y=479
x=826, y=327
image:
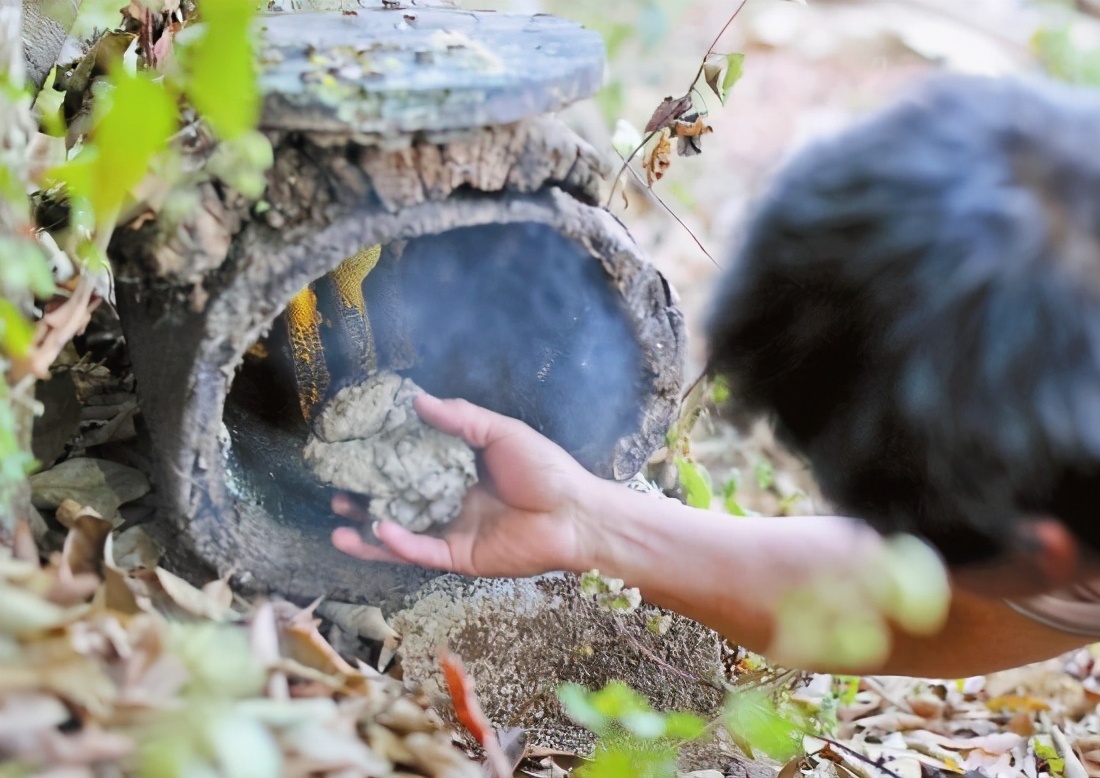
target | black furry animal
x=917, y=305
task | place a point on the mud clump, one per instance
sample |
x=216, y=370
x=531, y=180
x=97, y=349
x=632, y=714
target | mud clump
x=368, y=439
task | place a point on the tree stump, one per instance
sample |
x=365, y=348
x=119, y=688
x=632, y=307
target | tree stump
x=427, y=131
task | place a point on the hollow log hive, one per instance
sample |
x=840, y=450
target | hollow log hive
x=422, y=130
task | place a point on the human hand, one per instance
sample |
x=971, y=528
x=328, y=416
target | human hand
x=525, y=516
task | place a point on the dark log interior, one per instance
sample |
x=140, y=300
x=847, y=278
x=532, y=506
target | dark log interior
x=515, y=317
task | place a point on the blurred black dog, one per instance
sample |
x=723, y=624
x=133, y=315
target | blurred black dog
x=917, y=305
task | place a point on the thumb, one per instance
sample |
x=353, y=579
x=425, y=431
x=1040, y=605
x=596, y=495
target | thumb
x=477, y=426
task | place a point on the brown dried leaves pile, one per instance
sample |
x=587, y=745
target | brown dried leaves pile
x=1041, y=720
x=139, y=670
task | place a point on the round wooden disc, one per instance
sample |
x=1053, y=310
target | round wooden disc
x=393, y=72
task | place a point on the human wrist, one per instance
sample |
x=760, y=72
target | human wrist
x=597, y=518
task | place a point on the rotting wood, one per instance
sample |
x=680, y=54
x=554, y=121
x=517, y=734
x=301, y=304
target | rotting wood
x=193, y=296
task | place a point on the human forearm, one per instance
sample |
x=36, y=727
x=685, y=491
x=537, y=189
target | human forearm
x=730, y=573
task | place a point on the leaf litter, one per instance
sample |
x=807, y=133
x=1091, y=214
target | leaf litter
x=134, y=667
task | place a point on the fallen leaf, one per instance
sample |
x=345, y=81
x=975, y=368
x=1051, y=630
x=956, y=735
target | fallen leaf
x=460, y=686
x=82, y=552
x=1015, y=703
x=23, y=613
x=366, y=621
x=97, y=483
x=198, y=602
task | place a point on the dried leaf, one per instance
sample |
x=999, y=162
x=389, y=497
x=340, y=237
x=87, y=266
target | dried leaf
x=23, y=613
x=197, y=602
x=117, y=593
x=670, y=109
x=60, y=323
x=460, y=686
x=83, y=549
x=366, y=621
x=303, y=642
x=97, y=483
x=658, y=158
x=689, y=132
x=1015, y=703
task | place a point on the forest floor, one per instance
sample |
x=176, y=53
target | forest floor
x=809, y=69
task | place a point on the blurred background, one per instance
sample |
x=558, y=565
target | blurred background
x=809, y=69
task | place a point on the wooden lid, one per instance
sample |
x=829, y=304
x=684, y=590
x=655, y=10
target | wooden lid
x=393, y=72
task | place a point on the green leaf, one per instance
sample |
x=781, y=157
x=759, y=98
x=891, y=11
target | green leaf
x=616, y=699
x=1056, y=763
x=729, y=497
x=23, y=267
x=765, y=474
x=643, y=724
x=578, y=705
x=735, y=64
x=610, y=763
x=16, y=333
x=850, y=684
x=219, y=660
x=720, y=390
x=695, y=481
x=753, y=718
x=684, y=726
x=133, y=121
x=220, y=73
x=918, y=595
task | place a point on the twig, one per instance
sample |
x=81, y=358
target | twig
x=626, y=166
x=647, y=138
x=671, y=212
x=714, y=43
x=658, y=661
x=858, y=756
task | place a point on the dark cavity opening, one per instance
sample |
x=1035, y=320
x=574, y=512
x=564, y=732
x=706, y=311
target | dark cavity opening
x=516, y=318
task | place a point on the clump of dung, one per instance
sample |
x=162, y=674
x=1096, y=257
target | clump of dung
x=368, y=439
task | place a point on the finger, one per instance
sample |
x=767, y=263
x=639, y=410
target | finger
x=346, y=505
x=347, y=540
x=420, y=550
x=477, y=426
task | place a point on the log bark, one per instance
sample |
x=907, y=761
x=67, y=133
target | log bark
x=189, y=322
x=45, y=31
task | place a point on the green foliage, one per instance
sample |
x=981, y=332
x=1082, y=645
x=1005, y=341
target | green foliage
x=1045, y=750
x=696, y=483
x=635, y=741
x=212, y=734
x=1063, y=58
x=765, y=474
x=23, y=272
x=758, y=723
x=722, y=72
x=219, y=61
x=735, y=68
x=135, y=113
x=15, y=461
x=843, y=619
x=132, y=121
x=610, y=593
x=729, y=496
